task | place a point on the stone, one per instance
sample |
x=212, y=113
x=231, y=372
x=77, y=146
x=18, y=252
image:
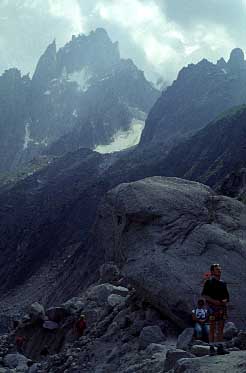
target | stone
x=16, y=361
x=36, y=311
x=199, y=350
x=114, y=300
x=151, y=334
x=154, y=348
x=185, y=339
x=56, y=314
x=173, y=355
x=73, y=305
x=109, y=272
x=230, y=330
x=234, y=362
x=100, y=293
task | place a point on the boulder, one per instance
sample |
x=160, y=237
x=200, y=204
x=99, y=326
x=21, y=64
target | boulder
x=173, y=356
x=56, y=314
x=155, y=348
x=109, y=272
x=240, y=341
x=114, y=300
x=151, y=334
x=165, y=233
x=36, y=311
x=73, y=305
x=199, y=350
x=230, y=330
x=100, y=293
x=185, y=339
x=15, y=361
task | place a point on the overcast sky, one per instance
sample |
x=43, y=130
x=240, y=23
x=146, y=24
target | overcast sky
x=161, y=36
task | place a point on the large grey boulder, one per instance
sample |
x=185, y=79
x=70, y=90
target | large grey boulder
x=173, y=356
x=151, y=334
x=165, y=233
x=185, y=339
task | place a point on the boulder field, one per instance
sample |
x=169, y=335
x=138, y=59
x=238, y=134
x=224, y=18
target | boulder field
x=164, y=233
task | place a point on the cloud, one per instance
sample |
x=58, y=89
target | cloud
x=160, y=36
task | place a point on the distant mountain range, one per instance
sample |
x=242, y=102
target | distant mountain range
x=79, y=96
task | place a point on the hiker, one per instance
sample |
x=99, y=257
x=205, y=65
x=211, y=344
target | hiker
x=80, y=325
x=200, y=318
x=216, y=294
x=20, y=341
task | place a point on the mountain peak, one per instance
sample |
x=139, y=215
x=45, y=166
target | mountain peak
x=46, y=67
x=236, y=60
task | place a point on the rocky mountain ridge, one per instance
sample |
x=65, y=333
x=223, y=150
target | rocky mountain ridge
x=200, y=93
x=83, y=91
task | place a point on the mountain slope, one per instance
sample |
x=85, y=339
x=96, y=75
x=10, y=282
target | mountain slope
x=200, y=93
x=214, y=152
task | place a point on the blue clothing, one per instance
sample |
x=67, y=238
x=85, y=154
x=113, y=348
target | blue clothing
x=201, y=330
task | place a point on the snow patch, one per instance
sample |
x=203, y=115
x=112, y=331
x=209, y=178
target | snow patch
x=82, y=78
x=224, y=71
x=123, y=139
x=75, y=113
x=27, y=138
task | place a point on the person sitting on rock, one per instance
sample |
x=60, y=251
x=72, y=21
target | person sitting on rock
x=80, y=325
x=200, y=318
x=216, y=294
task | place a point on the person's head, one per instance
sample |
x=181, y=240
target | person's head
x=215, y=270
x=82, y=317
x=200, y=303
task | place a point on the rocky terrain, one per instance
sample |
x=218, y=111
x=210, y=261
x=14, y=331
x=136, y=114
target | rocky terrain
x=79, y=96
x=136, y=310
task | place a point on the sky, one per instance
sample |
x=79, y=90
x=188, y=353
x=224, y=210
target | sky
x=161, y=36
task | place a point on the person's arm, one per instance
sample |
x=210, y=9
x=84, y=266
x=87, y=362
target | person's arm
x=227, y=297
x=215, y=302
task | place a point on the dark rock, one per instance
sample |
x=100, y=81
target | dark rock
x=185, y=339
x=150, y=334
x=173, y=356
x=230, y=330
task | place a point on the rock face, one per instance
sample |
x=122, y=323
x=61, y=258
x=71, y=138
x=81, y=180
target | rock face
x=213, y=153
x=79, y=96
x=200, y=93
x=157, y=228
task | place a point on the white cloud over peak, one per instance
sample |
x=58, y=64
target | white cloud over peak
x=161, y=36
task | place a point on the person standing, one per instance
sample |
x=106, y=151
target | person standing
x=217, y=296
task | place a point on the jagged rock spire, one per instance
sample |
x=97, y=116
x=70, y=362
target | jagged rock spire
x=236, y=60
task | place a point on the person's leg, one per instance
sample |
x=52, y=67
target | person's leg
x=198, y=330
x=205, y=332
x=220, y=330
x=212, y=326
